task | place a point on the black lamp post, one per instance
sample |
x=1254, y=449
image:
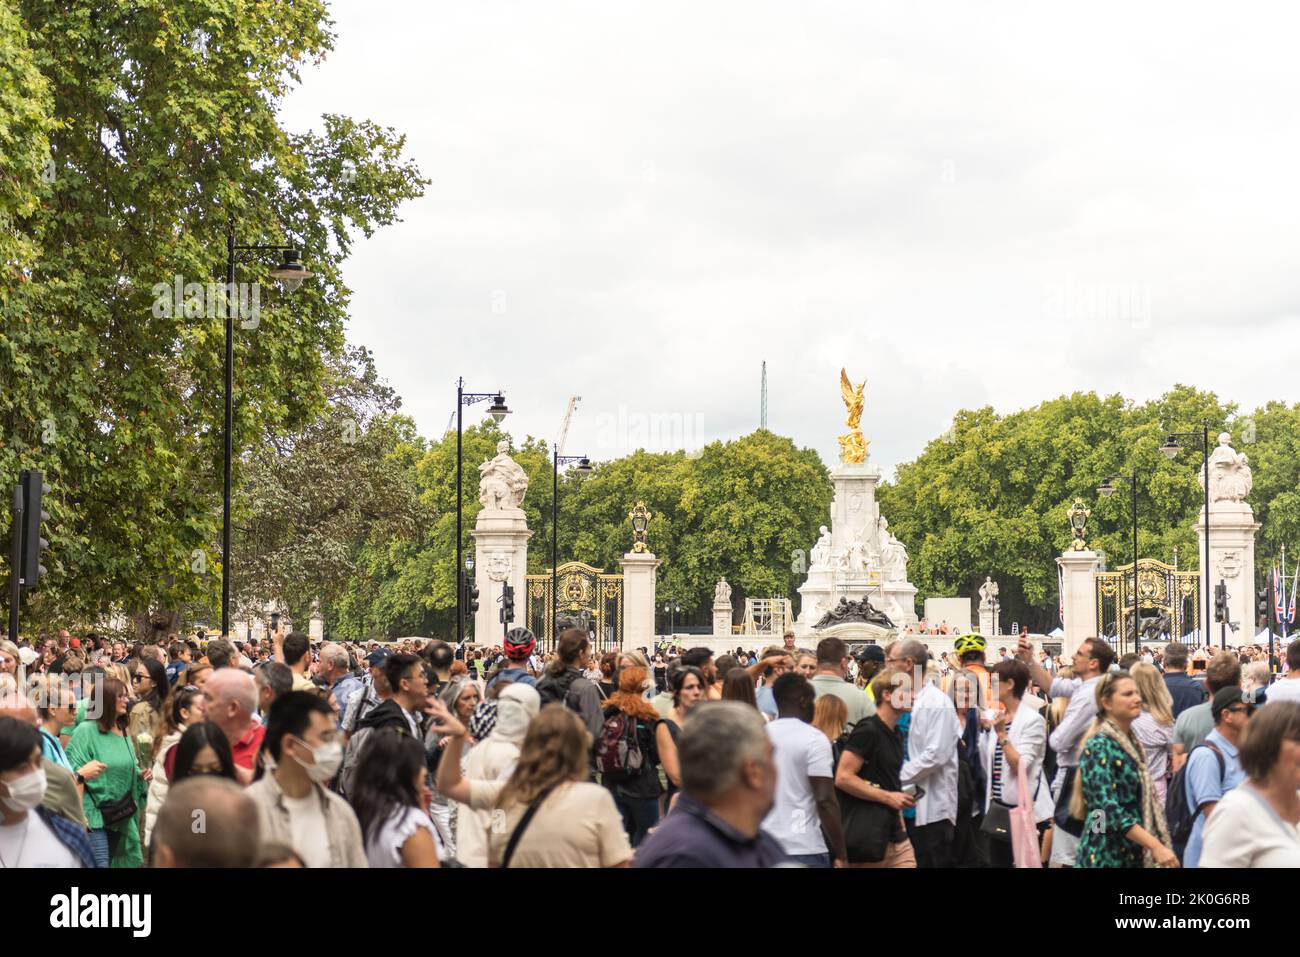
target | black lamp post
x=672, y=608
x=582, y=468
x=498, y=410
x=290, y=274
x=1171, y=448
x=1106, y=490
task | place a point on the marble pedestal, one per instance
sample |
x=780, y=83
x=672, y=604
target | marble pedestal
x=988, y=620
x=1079, y=597
x=1232, y=561
x=721, y=618
x=639, y=574
x=500, y=556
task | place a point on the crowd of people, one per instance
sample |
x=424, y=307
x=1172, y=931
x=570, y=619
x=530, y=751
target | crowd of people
x=289, y=753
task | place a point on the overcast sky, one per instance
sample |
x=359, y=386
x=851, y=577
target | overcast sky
x=964, y=203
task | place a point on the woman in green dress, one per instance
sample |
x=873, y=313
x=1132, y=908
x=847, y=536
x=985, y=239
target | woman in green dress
x=1124, y=824
x=103, y=739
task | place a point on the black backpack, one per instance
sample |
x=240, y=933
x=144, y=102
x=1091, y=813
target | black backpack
x=554, y=688
x=1179, y=814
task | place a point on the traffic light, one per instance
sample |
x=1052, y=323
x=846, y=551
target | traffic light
x=1261, y=604
x=507, y=604
x=1221, y=602
x=471, y=598
x=30, y=567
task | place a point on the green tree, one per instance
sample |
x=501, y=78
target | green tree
x=991, y=495
x=166, y=137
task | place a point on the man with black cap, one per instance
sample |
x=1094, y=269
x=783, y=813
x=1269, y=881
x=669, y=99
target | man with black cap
x=374, y=692
x=1214, y=768
x=870, y=660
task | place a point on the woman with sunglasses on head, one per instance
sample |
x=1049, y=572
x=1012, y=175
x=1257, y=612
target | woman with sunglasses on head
x=149, y=691
x=113, y=800
x=183, y=707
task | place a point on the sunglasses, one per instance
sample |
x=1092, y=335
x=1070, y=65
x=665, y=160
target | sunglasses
x=135, y=678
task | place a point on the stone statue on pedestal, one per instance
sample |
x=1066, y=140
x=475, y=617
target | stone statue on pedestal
x=1230, y=476
x=821, y=552
x=722, y=592
x=893, y=560
x=988, y=592
x=502, y=481
x=855, y=556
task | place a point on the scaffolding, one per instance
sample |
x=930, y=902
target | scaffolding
x=767, y=616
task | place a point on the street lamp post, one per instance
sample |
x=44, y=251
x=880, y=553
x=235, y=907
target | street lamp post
x=1171, y=448
x=672, y=608
x=1106, y=490
x=290, y=274
x=498, y=410
x=582, y=468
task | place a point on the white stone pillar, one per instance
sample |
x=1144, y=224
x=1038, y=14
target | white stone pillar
x=639, y=573
x=316, y=624
x=1232, y=561
x=988, y=623
x=500, y=556
x=721, y=618
x=1079, y=597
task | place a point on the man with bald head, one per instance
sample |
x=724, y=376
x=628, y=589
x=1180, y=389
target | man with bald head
x=206, y=821
x=61, y=793
x=230, y=697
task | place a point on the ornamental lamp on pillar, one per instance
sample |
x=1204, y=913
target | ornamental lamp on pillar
x=1079, y=513
x=640, y=518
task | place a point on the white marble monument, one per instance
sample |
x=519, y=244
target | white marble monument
x=989, y=610
x=501, y=543
x=856, y=556
x=1232, y=535
x=722, y=608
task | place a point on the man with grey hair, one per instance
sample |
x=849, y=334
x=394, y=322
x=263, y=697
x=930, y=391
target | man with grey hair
x=728, y=786
x=338, y=677
x=273, y=679
x=206, y=821
x=930, y=771
x=230, y=698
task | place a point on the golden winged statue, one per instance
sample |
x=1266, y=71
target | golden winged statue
x=853, y=448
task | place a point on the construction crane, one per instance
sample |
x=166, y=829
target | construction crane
x=564, y=427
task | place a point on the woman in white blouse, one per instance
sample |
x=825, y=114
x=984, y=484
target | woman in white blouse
x=1257, y=823
x=1014, y=735
x=391, y=801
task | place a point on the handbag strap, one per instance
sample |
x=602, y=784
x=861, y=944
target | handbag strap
x=523, y=826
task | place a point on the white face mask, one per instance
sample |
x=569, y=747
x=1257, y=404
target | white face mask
x=328, y=757
x=26, y=792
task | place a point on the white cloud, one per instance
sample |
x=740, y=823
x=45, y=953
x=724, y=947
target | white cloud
x=964, y=203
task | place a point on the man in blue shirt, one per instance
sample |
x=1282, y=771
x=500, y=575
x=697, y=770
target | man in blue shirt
x=1205, y=784
x=1186, y=691
x=518, y=645
x=728, y=786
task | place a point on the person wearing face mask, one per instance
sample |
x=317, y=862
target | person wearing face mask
x=303, y=750
x=30, y=835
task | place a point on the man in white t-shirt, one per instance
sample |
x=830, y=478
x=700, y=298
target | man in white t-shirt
x=1288, y=688
x=805, y=817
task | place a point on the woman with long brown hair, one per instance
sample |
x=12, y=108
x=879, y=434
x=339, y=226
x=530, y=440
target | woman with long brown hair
x=551, y=815
x=1154, y=727
x=112, y=800
x=628, y=753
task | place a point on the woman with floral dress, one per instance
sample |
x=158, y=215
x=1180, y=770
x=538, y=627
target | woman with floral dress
x=1124, y=824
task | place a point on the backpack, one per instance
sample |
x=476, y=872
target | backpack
x=618, y=752
x=554, y=688
x=1179, y=814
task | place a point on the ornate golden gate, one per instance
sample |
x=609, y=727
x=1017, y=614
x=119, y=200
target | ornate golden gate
x=1161, y=591
x=588, y=599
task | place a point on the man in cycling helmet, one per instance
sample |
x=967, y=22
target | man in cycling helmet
x=518, y=646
